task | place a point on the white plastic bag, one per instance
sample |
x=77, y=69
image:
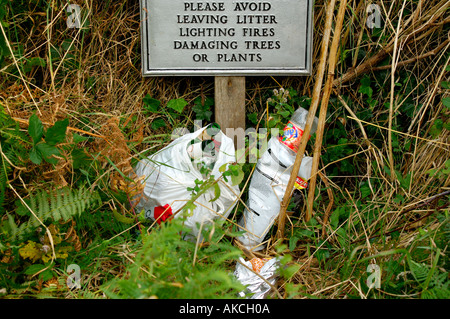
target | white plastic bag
x=172, y=170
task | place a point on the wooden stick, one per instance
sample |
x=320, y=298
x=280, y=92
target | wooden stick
x=415, y=32
x=230, y=104
x=309, y=119
x=415, y=59
x=324, y=107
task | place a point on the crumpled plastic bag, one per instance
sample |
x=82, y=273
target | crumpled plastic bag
x=172, y=171
x=256, y=287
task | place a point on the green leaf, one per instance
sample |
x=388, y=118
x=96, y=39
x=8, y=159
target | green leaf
x=216, y=192
x=436, y=128
x=21, y=209
x=306, y=232
x=406, y=181
x=33, y=269
x=334, y=219
x=253, y=117
x=80, y=158
x=177, y=104
x=57, y=133
x=223, y=168
x=46, y=275
x=35, y=128
x=446, y=102
x=121, y=218
x=77, y=138
x=290, y=270
x=158, y=123
x=293, y=242
x=47, y=151
x=237, y=176
x=365, y=190
x=31, y=63
x=37, y=61
x=35, y=156
x=151, y=104
x=365, y=87
x=285, y=114
x=203, y=111
x=189, y=208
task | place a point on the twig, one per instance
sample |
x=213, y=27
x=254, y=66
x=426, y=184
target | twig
x=426, y=202
x=199, y=236
x=326, y=215
x=415, y=59
x=407, y=36
x=324, y=107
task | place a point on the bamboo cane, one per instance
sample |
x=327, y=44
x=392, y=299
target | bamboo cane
x=324, y=106
x=309, y=120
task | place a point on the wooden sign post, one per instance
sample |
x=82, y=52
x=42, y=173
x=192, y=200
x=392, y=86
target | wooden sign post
x=230, y=102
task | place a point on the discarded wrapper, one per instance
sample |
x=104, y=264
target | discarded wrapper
x=250, y=276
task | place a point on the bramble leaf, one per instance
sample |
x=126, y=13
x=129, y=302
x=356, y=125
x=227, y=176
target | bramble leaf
x=35, y=128
x=47, y=151
x=35, y=156
x=57, y=133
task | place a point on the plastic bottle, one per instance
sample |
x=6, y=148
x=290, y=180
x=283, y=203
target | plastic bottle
x=270, y=178
x=293, y=131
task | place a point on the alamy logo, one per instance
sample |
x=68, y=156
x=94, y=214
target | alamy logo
x=74, y=18
x=374, y=279
x=74, y=278
x=374, y=16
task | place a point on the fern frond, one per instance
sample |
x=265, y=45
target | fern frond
x=419, y=271
x=13, y=229
x=53, y=203
x=12, y=146
x=62, y=204
x=9, y=130
x=4, y=170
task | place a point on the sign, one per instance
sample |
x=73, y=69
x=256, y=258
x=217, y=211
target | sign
x=226, y=38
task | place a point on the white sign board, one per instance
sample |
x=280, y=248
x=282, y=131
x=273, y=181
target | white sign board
x=226, y=38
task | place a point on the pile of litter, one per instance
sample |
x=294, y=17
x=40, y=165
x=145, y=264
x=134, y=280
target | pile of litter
x=172, y=173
